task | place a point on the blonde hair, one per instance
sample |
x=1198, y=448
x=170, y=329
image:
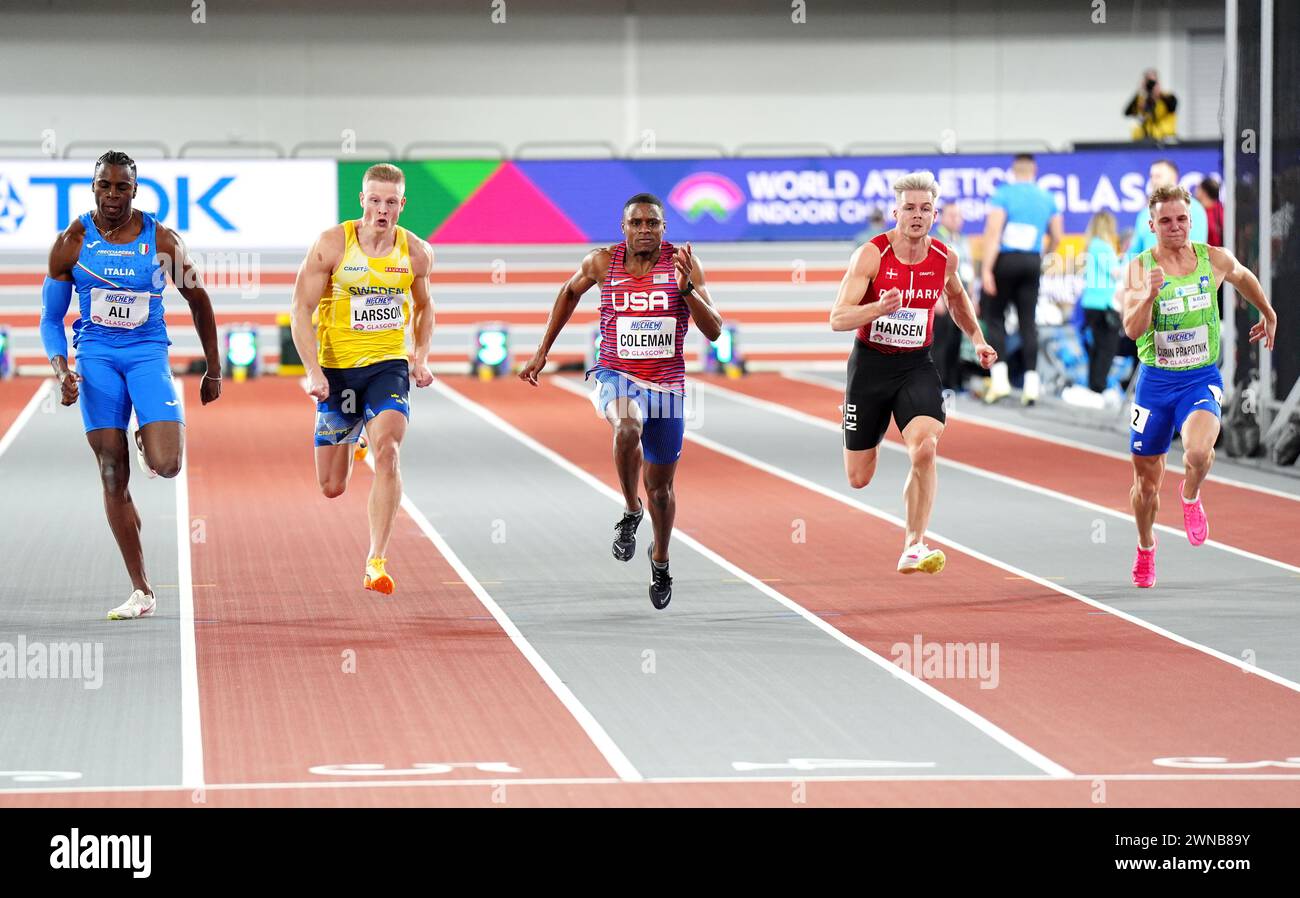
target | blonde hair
x=1102, y=225
x=1168, y=194
x=384, y=171
x=917, y=180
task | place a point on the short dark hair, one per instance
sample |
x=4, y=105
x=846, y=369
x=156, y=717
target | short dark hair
x=1023, y=157
x=1211, y=188
x=1172, y=165
x=116, y=157
x=648, y=199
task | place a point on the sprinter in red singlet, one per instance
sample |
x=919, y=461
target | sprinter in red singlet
x=888, y=296
x=649, y=293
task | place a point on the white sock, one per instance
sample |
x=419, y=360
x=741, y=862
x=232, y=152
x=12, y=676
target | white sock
x=1031, y=384
x=1191, y=501
x=1001, y=380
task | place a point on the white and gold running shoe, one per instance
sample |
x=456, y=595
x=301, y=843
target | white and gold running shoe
x=920, y=557
x=138, y=605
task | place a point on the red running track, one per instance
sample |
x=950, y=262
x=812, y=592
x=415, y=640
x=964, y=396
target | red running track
x=278, y=603
x=1090, y=691
x=1244, y=518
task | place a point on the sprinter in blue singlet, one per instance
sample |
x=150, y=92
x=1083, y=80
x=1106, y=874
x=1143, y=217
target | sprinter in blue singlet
x=118, y=260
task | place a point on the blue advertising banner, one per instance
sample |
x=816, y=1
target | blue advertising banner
x=832, y=198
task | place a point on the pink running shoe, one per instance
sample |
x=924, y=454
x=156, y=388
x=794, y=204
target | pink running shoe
x=1194, y=520
x=1144, y=569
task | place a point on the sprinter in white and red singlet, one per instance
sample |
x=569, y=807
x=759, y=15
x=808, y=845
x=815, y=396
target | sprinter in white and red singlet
x=888, y=297
x=650, y=291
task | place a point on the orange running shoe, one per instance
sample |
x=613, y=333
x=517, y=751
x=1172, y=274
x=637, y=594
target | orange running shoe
x=377, y=578
x=359, y=453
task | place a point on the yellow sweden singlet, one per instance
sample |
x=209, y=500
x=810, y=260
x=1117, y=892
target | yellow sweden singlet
x=362, y=321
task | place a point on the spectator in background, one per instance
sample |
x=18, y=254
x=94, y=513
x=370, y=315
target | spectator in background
x=1101, y=315
x=875, y=225
x=1208, y=196
x=947, y=335
x=1164, y=173
x=1020, y=214
x=1154, y=108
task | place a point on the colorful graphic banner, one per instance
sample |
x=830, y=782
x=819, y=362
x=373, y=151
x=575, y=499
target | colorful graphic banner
x=824, y=198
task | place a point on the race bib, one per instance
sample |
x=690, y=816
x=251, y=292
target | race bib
x=1199, y=302
x=1139, y=418
x=120, y=309
x=904, y=328
x=647, y=338
x=1183, y=348
x=373, y=312
x=1020, y=236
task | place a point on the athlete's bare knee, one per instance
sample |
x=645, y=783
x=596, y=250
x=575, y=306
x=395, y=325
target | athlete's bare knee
x=387, y=455
x=659, y=495
x=627, y=434
x=332, y=489
x=169, y=468
x=923, y=452
x=114, y=473
x=1198, y=458
x=860, y=475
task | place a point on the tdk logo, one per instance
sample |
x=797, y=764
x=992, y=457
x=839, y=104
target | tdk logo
x=640, y=302
x=12, y=211
x=189, y=198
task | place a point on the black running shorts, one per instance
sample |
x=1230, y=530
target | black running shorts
x=905, y=385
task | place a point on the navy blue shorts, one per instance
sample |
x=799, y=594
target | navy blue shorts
x=663, y=414
x=115, y=380
x=1163, y=400
x=357, y=395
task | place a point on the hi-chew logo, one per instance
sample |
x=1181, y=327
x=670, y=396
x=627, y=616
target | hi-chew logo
x=706, y=193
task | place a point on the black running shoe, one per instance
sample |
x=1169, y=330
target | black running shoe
x=661, y=583
x=625, y=535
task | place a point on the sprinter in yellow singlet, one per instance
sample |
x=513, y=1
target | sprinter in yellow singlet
x=359, y=287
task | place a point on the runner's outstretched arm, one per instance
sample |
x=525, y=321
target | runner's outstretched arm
x=703, y=312
x=1244, y=282
x=180, y=268
x=313, y=278
x=962, y=310
x=591, y=272
x=846, y=314
x=56, y=296
x=422, y=316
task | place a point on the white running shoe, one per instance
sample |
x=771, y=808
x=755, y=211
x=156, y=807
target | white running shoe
x=920, y=557
x=139, y=456
x=1029, y=392
x=139, y=605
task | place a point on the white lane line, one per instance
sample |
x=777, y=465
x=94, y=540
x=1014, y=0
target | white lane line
x=825, y=424
x=974, y=553
x=794, y=775
x=988, y=728
x=982, y=421
x=613, y=755
x=192, y=771
x=25, y=415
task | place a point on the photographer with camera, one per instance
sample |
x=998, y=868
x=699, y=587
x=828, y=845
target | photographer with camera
x=1154, y=108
